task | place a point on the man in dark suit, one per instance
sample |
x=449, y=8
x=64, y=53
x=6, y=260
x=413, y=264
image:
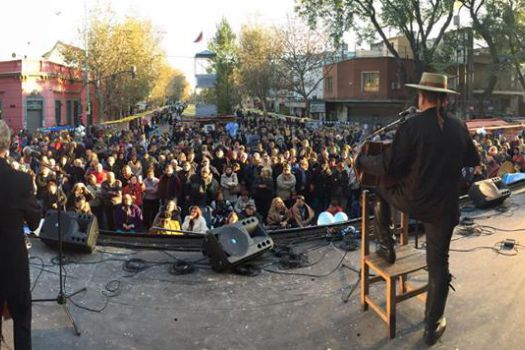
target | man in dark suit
x=17, y=204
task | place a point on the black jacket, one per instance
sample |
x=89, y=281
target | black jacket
x=51, y=202
x=427, y=161
x=322, y=181
x=339, y=183
x=202, y=194
x=17, y=204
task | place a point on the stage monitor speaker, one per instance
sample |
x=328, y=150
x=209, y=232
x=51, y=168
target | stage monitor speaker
x=79, y=231
x=232, y=245
x=488, y=193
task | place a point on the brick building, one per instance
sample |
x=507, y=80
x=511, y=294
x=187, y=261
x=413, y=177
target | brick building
x=367, y=89
x=41, y=93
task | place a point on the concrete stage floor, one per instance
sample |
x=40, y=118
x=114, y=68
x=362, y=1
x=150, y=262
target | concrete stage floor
x=206, y=310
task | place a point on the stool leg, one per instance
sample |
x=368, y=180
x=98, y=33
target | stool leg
x=403, y=284
x=391, y=306
x=365, y=283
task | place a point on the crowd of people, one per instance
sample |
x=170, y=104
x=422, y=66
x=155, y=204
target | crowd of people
x=168, y=178
x=499, y=154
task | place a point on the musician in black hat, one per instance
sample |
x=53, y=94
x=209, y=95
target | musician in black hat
x=426, y=157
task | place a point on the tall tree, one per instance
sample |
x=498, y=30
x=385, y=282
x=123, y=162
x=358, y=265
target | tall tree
x=170, y=85
x=225, y=64
x=423, y=23
x=259, y=53
x=304, y=53
x=114, y=47
x=483, y=24
x=513, y=19
x=499, y=23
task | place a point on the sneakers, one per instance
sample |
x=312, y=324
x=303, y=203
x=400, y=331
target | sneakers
x=432, y=336
x=387, y=253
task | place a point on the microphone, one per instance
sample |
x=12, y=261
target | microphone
x=408, y=111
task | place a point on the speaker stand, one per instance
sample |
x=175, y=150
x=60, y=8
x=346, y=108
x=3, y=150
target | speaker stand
x=62, y=298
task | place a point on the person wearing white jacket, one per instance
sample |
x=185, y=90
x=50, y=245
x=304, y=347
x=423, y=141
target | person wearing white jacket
x=194, y=222
x=229, y=184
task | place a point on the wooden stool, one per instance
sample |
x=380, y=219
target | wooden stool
x=408, y=260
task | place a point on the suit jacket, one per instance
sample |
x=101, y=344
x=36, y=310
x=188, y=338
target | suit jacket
x=17, y=204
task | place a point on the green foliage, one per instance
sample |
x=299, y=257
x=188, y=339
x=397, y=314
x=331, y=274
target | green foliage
x=505, y=21
x=259, y=52
x=171, y=84
x=416, y=20
x=113, y=48
x=447, y=55
x=336, y=17
x=225, y=65
x=497, y=23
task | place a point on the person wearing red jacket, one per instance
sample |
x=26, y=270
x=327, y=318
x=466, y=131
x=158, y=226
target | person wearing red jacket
x=100, y=174
x=135, y=188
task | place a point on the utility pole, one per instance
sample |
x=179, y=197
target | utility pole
x=89, y=120
x=458, y=72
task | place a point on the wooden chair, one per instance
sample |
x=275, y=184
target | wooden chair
x=408, y=260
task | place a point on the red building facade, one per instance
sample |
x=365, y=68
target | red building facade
x=40, y=93
x=366, y=89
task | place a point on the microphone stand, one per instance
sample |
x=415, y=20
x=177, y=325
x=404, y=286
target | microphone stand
x=392, y=125
x=404, y=115
x=62, y=297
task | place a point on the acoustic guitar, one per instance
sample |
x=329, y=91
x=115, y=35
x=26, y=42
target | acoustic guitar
x=374, y=148
x=367, y=180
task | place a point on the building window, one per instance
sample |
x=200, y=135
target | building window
x=58, y=112
x=370, y=81
x=76, y=113
x=69, y=112
x=328, y=85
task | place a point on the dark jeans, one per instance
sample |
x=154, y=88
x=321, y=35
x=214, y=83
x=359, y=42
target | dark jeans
x=109, y=213
x=20, y=309
x=438, y=236
x=99, y=214
x=438, y=244
x=150, y=209
x=354, y=205
x=320, y=203
x=263, y=205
